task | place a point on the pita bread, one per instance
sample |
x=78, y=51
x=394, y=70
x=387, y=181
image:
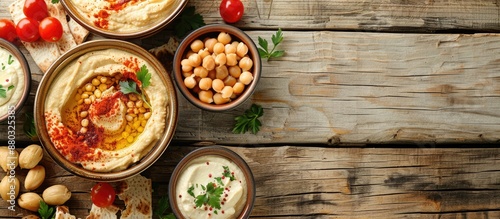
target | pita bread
x=136, y=192
x=45, y=53
x=103, y=213
x=62, y=212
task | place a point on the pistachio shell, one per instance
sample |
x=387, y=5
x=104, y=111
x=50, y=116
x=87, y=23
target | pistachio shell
x=9, y=187
x=30, y=156
x=56, y=195
x=29, y=201
x=8, y=158
x=35, y=177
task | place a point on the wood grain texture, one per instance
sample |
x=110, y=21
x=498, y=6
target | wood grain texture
x=318, y=182
x=363, y=15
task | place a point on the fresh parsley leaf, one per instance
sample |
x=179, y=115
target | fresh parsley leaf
x=29, y=127
x=264, y=46
x=10, y=87
x=211, y=197
x=188, y=21
x=163, y=207
x=249, y=121
x=10, y=61
x=227, y=173
x=3, y=92
x=45, y=211
x=55, y=1
x=219, y=181
x=127, y=87
x=144, y=76
x=190, y=191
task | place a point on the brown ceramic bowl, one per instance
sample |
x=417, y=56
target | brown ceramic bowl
x=197, y=157
x=212, y=31
x=55, y=73
x=20, y=91
x=149, y=26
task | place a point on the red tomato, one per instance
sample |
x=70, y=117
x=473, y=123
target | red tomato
x=231, y=10
x=36, y=9
x=102, y=194
x=51, y=29
x=27, y=30
x=7, y=30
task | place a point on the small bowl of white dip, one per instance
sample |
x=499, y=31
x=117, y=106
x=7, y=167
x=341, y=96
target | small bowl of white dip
x=212, y=182
x=15, y=81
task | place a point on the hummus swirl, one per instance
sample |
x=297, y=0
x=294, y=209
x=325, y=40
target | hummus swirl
x=206, y=169
x=123, y=16
x=102, y=142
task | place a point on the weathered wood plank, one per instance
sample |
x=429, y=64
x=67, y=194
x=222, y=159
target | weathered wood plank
x=363, y=15
x=321, y=182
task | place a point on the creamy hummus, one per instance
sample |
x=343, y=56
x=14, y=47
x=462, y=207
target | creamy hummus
x=217, y=170
x=123, y=16
x=92, y=122
x=11, y=81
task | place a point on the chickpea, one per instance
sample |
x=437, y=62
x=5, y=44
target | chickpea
x=97, y=93
x=231, y=59
x=147, y=115
x=219, y=48
x=197, y=45
x=224, y=38
x=220, y=59
x=187, y=74
x=229, y=48
x=209, y=63
x=212, y=74
x=227, y=92
x=200, y=72
x=138, y=104
x=186, y=65
x=229, y=81
x=129, y=118
x=103, y=87
x=241, y=49
x=84, y=122
x=195, y=60
x=84, y=96
x=205, y=83
x=246, y=77
x=209, y=44
x=88, y=87
x=217, y=85
x=96, y=82
x=189, y=82
x=218, y=99
x=206, y=96
x=204, y=53
x=84, y=114
x=103, y=79
x=190, y=53
x=246, y=63
x=132, y=97
x=87, y=101
x=130, y=104
x=83, y=130
x=235, y=71
x=238, y=88
x=221, y=72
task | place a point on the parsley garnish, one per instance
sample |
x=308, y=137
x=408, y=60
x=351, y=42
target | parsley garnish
x=211, y=197
x=228, y=173
x=45, y=211
x=163, y=209
x=264, y=51
x=29, y=127
x=55, y=1
x=190, y=191
x=3, y=92
x=187, y=21
x=130, y=86
x=10, y=61
x=249, y=121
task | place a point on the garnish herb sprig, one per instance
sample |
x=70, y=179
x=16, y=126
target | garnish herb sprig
x=264, y=50
x=130, y=86
x=187, y=21
x=29, y=127
x=163, y=210
x=45, y=211
x=249, y=121
x=3, y=91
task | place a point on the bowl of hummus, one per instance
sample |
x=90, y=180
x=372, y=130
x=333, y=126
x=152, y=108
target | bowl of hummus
x=212, y=182
x=15, y=81
x=124, y=18
x=106, y=110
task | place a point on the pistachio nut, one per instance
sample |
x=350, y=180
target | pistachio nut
x=30, y=156
x=9, y=187
x=34, y=178
x=8, y=158
x=56, y=195
x=29, y=201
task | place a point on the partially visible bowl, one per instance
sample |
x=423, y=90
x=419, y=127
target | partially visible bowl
x=181, y=74
x=216, y=167
x=99, y=148
x=15, y=80
x=124, y=19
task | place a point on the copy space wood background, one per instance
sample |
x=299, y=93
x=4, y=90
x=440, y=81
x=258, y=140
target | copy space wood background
x=399, y=79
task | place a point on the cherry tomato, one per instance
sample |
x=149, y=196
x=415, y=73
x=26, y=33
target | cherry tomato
x=7, y=30
x=51, y=29
x=27, y=30
x=231, y=10
x=36, y=9
x=102, y=194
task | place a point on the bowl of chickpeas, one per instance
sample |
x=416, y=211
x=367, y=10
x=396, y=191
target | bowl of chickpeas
x=217, y=67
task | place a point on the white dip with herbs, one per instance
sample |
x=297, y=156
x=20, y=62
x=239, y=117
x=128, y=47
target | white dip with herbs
x=11, y=81
x=211, y=187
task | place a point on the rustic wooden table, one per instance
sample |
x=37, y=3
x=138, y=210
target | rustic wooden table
x=387, y=109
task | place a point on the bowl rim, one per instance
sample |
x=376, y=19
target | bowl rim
x=71, y=11
x=16, y=52
x=53, y=72
x=206, y=30
x=218, y=151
